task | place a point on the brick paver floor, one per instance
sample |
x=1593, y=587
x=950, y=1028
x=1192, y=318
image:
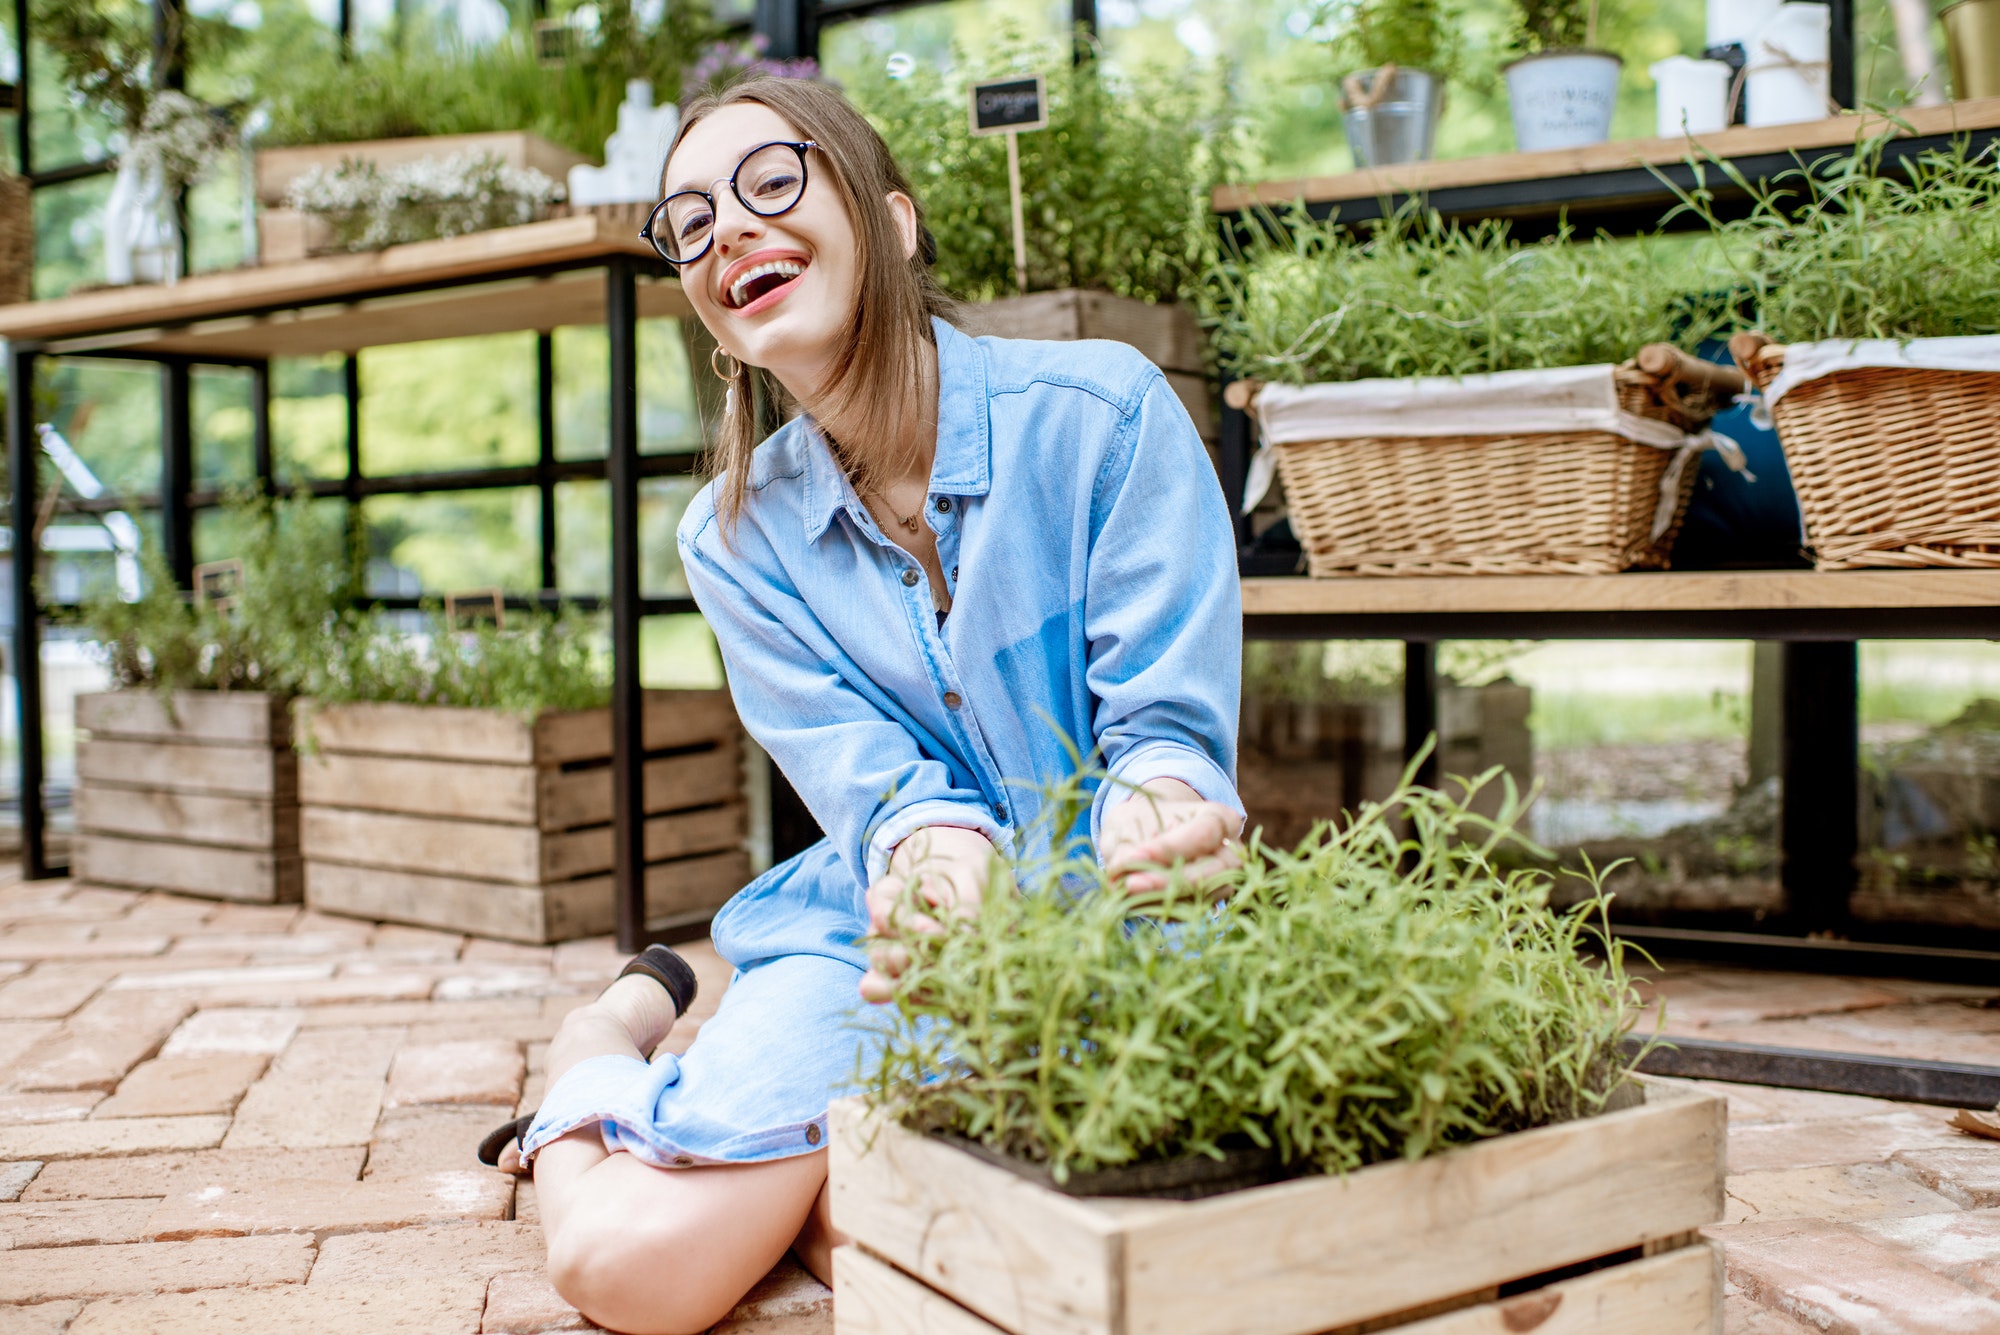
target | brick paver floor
x=227, y=1117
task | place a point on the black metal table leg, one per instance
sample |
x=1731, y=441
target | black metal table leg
x=628, y=797
x=1817, y=830
x=24, y=458
x=1420, y=706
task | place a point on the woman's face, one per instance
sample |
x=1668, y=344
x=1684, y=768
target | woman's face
x=780, y=292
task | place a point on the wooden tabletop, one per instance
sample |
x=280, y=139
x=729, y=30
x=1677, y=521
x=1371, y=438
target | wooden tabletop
x=339, y=303
x=1694, y=591
x=1735, y=142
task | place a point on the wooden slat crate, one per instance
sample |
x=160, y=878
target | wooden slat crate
x=1167, y=334
x=196, y=794
x=479, y=821
x=1486, y=1238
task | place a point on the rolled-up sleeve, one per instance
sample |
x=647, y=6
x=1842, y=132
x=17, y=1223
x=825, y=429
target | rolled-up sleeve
x=1163, y=611
x=856, y=758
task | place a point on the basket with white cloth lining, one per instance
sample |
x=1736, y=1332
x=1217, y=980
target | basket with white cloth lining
x=1894, y=445
x=1571, y=470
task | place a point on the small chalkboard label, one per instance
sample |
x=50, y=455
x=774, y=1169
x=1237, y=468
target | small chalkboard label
x=1009, y=106
x=216, y=583
x=475, y=608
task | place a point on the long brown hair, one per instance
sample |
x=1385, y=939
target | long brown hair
x=878, y=361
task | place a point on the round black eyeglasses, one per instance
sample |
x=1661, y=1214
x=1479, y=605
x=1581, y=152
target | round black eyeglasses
x=769, y=180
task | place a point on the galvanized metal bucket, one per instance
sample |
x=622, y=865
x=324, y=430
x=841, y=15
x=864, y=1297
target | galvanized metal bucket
x=1972, y=31
x=1392, y=114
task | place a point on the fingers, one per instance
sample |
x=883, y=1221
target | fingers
x=1202, y=833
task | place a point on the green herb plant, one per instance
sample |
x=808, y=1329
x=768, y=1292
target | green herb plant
x=538, y=661
x=1116, y=188
x=1411, y=34
x=1412, y=296
x=1370, y=995
x=1849, y=250
x=1554, y=25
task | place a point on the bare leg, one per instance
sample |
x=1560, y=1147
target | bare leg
x=816, y=1241
x=653, y=1251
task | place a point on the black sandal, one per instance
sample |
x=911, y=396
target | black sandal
x=659, y=963
x=498, y=1139
x=669, y=970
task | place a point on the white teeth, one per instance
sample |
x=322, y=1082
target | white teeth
x=789, y=268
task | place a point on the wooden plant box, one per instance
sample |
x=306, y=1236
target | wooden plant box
x=285, y=235
x=480, y=821
x=1483, y=1239
x=198, y=796
x=1166, y=333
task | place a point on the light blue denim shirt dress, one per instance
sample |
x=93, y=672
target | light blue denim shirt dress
x=1089, y=555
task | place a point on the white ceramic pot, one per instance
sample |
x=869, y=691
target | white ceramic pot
x=1786, y=74
x=1562, y=99
x=1693, y=96
x=1391, y=114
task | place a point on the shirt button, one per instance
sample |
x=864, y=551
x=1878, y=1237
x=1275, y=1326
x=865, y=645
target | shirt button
x=952, y=699
x=910, y=579
x=944, y=505
x=812, y=1134
x=683, y=1161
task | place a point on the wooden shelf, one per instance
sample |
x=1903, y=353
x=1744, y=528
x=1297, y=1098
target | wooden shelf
x=1724, y=604
x=500, y=281
x=1599, y=178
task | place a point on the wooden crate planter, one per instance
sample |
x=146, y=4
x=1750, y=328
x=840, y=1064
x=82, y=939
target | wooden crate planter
x=197, y=795
x=479, y=821
x=285, y=234
x=1483, y=1239
x=1167, y=334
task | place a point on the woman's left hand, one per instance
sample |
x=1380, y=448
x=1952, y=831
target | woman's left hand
x=1163, y=825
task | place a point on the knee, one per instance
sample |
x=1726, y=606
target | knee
x=634, y=1279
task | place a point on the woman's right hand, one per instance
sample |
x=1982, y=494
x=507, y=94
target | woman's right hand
x=950, y=867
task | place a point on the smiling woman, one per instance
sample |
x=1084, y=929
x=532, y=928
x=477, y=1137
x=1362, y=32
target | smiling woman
x=947, y=565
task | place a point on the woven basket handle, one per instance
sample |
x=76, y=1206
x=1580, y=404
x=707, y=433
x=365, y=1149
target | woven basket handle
x=1759, y=357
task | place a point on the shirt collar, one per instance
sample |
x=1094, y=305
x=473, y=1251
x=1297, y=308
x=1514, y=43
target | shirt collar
x=963, y=465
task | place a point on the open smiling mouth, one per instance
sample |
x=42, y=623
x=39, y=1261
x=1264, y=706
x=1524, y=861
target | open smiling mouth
x=761, y=280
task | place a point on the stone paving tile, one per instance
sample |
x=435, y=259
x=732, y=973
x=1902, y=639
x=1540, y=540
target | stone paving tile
x=488, y=1019
x=52, y=991
x=216, y=1033
x=477, y=985
x=20, y=1036
x=1831, y=1191
x=1836, y=1279
x=479, y=1250
x=475, y=1070
x=1742, y=1316
x=1943, y=1031
x=162, y=1175
x=174, y=1086
x=274, y=977
x=401, y=986
x=40, y=1319
x=416, y=944
x=360, y=1052
x=46, y=1273
x=253, y=919
x=478, y=950
x=1762, y=1145
x=325, y=1209
x=111, y=1138
x=104, y=1039
x=1762, y=1103
x=53, y=1106
x=412, y=1141
x=17, y=945
x=439, y=1306
x=525, y=1303
x=306, y=1113
x=1963, y=1245
x=788, y=1301
x=15, y=1177
x=72, y=1223
x=1968, y=1173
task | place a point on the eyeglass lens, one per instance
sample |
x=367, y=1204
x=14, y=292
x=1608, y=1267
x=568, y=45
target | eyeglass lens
x=768, y=181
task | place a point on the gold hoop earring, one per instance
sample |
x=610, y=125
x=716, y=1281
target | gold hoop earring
x=735, y=367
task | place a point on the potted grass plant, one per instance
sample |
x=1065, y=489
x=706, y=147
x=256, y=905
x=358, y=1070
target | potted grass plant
x=186, y=779
x=1375, y=1080
x=1447, y=400
x=1877, y=350
x=1562, y=90
x=1115, y=199
x=1407, y=49
x=459, y=776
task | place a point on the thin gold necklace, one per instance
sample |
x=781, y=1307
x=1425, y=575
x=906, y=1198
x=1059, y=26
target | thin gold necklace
x=909, y=521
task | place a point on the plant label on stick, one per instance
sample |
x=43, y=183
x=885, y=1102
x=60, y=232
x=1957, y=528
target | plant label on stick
x=1012, y=107
x=475, y=607
x=216, y=583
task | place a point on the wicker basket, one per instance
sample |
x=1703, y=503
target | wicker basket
x=1893, y=466
x=1533, y=504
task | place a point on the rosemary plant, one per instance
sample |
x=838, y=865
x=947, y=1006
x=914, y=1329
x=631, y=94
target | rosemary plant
x=540, y=661
x=1415, y=296
x=1848, y=250
x=1368, y=996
